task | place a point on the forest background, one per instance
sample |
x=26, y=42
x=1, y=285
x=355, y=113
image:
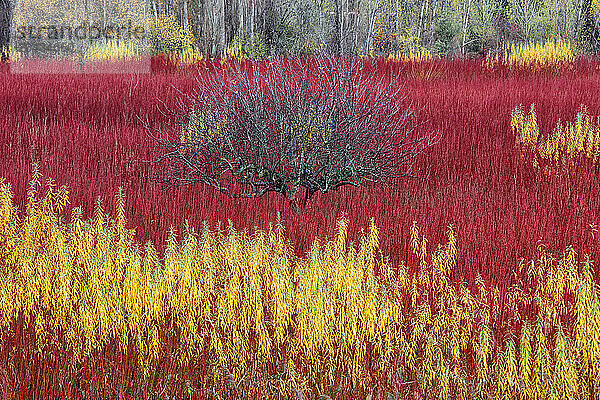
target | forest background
x=454, y=28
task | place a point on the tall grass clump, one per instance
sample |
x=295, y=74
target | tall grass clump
x=567, y=143
x=418, y=63
x=113, y=50
x=233, y=314
x=412, y=54
x=550, y=55
x=249, y=47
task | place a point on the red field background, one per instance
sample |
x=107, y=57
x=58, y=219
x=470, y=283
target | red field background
x=84, y=132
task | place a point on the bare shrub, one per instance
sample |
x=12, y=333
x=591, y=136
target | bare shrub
x=291, y=126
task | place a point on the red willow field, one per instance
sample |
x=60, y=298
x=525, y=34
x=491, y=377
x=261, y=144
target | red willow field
x=85, y=133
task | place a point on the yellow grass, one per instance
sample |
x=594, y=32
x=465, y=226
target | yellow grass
x=340, y=321
x=412, y=54
x=551, y=55
x=113, y=50
x=556, y=53
x=565, y=144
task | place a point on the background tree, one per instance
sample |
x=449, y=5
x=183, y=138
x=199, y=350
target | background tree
x=364, y=27
x=590, y=25
x=483, y=35
x=4, y=28
x=294, y=127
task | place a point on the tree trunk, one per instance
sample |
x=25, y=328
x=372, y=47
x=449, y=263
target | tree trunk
x=337, y=35
x=352, y=25
x=432, y=27
x=421, y=20
x=371, y=28
x=578, y=23
x=185, y=15
x=5, y=12
x=397, y=18
x=467, y=10
x=222, y=30
x=590, y=31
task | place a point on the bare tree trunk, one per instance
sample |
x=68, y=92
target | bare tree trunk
x=419, y=31
x=597, y=23
x=241, y=16
x=5, y=13
x=154, y=9
x=103, y=14
x=556, y=18
x=321, y=20
x=466, y=10
x=432, y=26
x=337, y=35
x=185, y=15
x=352, y=24
x=342, y=23
x=252, y=14
x=397, y=18
x=578, y=23
x=214, y=27
x=268, y=24
x=371, y=27
x=222, y=27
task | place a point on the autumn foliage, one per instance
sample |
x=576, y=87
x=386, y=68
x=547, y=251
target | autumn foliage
x=476, y=279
